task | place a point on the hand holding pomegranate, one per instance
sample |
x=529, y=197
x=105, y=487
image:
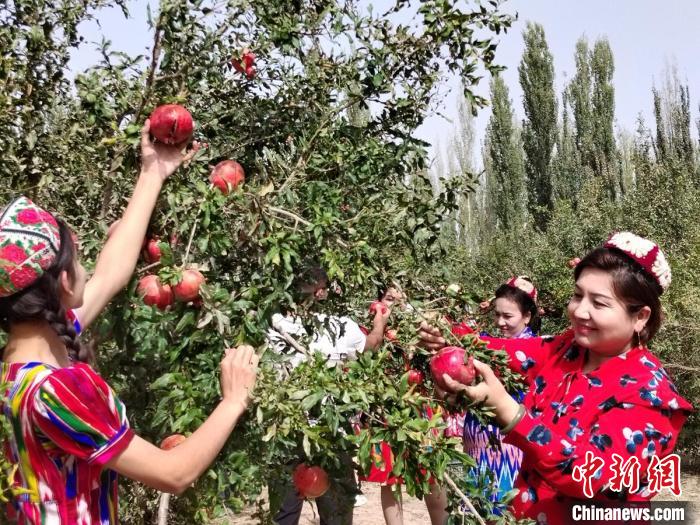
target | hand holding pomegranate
x=491, y=391
x=239, y=369
x=162, y=159
x=381, y=316
x=430, y=337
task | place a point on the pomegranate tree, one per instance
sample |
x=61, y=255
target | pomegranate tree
x=171, y=124
x=310, y=482
x=451, y=361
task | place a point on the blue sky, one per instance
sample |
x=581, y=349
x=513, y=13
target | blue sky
x=645, y=36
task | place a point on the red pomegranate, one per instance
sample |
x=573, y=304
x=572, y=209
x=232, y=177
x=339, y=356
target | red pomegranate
x=152, y=252
x=172, y=441
x=450, y=361
x=311, y=482
x=154, y=293
x=166, y=297
x=377, y=306
x=187, y=289
x=245, y=64
x=149, y=289
x=171, y=124
x=415, y=377
x=227, y=175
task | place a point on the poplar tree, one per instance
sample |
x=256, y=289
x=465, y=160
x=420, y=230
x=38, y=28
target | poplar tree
x=505, y=160
x=540, y=125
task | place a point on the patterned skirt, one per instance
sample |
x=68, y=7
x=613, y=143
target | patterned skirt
x=485, y=445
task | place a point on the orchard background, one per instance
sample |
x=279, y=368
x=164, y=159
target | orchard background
x=324, y=129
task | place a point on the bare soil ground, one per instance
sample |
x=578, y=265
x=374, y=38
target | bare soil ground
x=416, y=514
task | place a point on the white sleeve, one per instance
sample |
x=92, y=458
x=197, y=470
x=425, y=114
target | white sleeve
x=354, y=338
x=339, y=338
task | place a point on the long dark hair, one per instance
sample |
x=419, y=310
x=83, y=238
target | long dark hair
x=631, y=284
x=309, y=278
x=525, y=304
x=41, y=301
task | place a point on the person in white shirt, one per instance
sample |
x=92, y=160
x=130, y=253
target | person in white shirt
x=340, y=339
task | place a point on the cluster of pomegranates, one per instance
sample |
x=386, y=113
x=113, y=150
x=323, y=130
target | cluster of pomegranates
x=173, y=124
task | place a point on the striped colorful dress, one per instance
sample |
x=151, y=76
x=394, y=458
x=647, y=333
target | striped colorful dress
x=67, y=423
x=486, y=446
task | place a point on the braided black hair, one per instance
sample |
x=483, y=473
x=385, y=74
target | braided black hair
x=42, y=300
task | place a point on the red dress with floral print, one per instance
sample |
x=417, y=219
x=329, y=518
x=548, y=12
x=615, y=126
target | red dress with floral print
x=628, y=406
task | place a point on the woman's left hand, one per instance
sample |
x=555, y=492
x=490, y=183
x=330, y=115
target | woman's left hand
x=490, y=391
x=161, y=159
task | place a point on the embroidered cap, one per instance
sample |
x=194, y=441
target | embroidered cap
x=523, y=283
x=647, y=253
x=29, y=243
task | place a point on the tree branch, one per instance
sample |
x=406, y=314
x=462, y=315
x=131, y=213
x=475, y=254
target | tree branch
x=464, y=498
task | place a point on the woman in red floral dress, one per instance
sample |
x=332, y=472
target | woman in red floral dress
x=597, y=396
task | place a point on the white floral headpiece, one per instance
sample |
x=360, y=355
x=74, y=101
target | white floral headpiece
x=646, y=253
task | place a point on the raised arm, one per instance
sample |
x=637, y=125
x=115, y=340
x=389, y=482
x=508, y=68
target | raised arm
x=176, y=469
x=117, y=260
x=375, y=337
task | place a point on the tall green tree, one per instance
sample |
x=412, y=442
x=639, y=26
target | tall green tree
x=506, y=165
x=592, y=97
x=461, y=157
x=672, y=115
x=540, y=125
x=580, y=97
x=566, y=166
x=606, y=164
x=661, y=148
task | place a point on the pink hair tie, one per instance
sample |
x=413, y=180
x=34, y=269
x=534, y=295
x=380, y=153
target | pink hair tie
x=524, y=284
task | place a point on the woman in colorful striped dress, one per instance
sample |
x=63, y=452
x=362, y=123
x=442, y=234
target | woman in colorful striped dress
x=516, y=316
x=70, y=436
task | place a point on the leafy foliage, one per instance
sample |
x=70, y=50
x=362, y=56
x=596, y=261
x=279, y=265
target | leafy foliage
x=323, y=130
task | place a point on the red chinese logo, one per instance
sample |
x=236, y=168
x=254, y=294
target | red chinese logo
x=665, y=474
x=626, y=474
x=662, y=473
x=584, y=473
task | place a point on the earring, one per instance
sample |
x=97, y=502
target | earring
x=638, y=337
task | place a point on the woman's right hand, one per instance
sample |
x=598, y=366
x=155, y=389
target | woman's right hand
x=381, y=317
x=239, y=369
x=430, y=337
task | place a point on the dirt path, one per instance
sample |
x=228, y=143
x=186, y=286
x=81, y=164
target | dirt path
x=416, y=514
